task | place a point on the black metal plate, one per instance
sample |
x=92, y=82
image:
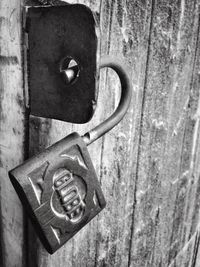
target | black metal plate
x=54, y=33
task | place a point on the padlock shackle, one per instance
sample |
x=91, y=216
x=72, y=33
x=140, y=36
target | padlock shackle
x=126, y=93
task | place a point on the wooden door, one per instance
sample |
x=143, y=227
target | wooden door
x=148, y=166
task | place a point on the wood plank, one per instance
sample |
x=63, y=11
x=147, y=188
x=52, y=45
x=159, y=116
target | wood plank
x=125, y=33
x=148, y=164
x=12, y=131
x=103, y=241
x=164, y=174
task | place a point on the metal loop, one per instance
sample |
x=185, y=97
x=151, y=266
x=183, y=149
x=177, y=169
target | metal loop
x=126, y=92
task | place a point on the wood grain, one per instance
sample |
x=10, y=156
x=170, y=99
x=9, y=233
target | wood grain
x=148, y=166
x=12, y=131
x=165, y=162
x=143, y=163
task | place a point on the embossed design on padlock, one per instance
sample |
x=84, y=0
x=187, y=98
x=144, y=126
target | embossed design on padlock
x=59, y=187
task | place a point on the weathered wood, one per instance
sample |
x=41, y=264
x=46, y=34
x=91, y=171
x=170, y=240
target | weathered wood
x=142, y=163
x=167, y=146
x=148, y=165
x=12, y=131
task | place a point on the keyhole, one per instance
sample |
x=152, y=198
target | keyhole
x=70, y=70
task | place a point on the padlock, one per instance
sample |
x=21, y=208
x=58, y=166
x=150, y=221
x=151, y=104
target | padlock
x=59, y=187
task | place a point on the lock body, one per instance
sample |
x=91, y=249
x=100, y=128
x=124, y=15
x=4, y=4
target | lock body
x=60, y=190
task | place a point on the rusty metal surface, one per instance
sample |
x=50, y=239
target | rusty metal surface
x=60, y=190
x=55, y=33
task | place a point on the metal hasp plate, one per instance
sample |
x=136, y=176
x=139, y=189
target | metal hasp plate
x=56, y=36
x=60, y=190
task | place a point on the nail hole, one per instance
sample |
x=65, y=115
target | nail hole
x=70, y=70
